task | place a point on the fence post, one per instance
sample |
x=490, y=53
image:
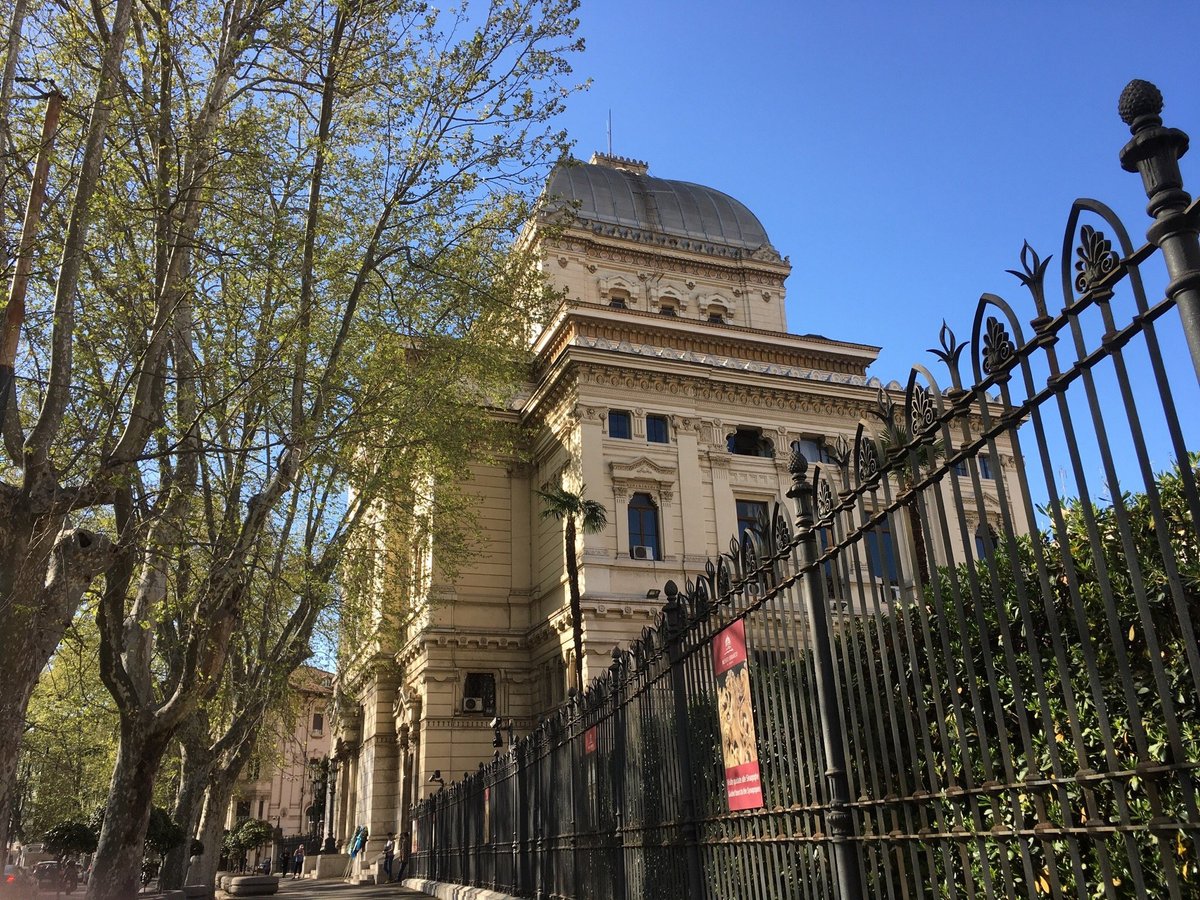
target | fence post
x=617, y=773
x=837, y=817
x=691, y=839
x=1154, y=152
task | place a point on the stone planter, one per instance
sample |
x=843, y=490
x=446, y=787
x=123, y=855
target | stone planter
x=252, y=885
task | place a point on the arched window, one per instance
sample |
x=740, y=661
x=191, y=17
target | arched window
x=716, y=314
x=643, y=528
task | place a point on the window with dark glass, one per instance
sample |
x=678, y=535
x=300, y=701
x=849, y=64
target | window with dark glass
x=619, y=424
x=985, y=466
x=960, y=469
x=814, y=451
x=243, y=810
x=825, y=541
x=667, y=309
x=657, y=431
x=881, y=553
x=318, y=723
x=716, y=317
x=751, y=514
x=480, y=687
x=750, y=442
x=986, y=541
x=643, y=528
x=617, y=303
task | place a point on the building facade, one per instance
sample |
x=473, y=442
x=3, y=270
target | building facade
x=284, y=784
x=668, y=388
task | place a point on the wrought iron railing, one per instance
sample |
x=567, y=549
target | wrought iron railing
x=1003, y=701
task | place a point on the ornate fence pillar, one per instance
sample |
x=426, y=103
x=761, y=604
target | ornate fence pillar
x=838, y=825
x=687, y=805
x=1154, y=152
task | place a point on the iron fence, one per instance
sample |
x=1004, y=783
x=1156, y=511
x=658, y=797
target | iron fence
x=947, y=675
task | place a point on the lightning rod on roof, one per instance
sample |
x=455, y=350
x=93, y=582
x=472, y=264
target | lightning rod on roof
x=610, y=132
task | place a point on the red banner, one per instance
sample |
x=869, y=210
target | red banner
x=591, y=740
x=735, y=711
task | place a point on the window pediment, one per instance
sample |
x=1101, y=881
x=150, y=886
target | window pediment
x=646, y=475
x=642, y=468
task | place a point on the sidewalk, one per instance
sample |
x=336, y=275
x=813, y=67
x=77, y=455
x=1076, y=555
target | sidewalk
x=336, y=889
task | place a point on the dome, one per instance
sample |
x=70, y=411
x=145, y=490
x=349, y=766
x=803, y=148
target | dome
x=618, y=192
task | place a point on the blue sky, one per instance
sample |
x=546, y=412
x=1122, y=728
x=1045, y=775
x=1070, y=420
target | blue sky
x=899, y=152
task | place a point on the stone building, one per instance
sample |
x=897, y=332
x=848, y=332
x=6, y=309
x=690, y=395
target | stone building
x=668, y=387
x=282, y=784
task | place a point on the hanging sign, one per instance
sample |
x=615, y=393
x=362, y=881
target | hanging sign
x=591, y=740
x=743, y=778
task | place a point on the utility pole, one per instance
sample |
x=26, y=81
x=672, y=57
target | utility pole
x=14, y=311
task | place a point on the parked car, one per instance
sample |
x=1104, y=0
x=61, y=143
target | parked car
x=18, y=883
x=48, y=874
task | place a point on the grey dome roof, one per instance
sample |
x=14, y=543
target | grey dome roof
x=631, y=199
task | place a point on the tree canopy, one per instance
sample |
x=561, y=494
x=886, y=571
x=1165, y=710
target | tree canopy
x=279, y=261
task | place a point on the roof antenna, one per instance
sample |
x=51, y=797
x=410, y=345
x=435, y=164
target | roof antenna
x=610, y=132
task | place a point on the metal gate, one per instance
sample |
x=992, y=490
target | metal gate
x=949, y=674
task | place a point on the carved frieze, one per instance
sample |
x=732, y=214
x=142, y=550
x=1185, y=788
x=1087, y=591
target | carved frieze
x=772, y=273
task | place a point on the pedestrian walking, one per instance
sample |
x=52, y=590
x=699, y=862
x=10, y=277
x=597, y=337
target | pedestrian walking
x=389, y=851
x=285, y=863
x=298, y=861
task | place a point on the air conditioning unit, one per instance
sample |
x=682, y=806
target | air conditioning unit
x=472, y=704
x=643, y=553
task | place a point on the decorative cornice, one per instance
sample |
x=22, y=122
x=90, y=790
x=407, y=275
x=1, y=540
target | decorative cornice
x=664, y=252
x=423, y=640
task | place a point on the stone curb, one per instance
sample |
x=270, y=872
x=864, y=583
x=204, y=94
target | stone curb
x=446, y=891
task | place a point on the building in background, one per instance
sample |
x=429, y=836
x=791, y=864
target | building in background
x=668, y=388
x=284, y=784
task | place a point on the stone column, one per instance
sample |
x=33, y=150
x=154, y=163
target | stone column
x=377, y=775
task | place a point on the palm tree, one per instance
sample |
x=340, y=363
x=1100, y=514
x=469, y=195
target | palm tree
x=563, y=505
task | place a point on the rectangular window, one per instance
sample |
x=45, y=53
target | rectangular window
x=985, y=466
x=479, y=692
x=825, y=541
x=261, y=804
x=643, y=528
x=619, y=424
x=751, y=514
x=243, y=811
x=318, y=723
x=657, y=431
x=881, y=553
x=960, y=469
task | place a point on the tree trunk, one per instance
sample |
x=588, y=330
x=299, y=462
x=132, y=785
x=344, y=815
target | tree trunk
x=117, y=865
x=918, y=538
x=576, y=603
x=194, y=773
x=212, y=822
x=42, y=579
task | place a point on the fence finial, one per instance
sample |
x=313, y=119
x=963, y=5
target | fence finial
x=1154, y=152
x=800, y=490
x=1139, y=100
